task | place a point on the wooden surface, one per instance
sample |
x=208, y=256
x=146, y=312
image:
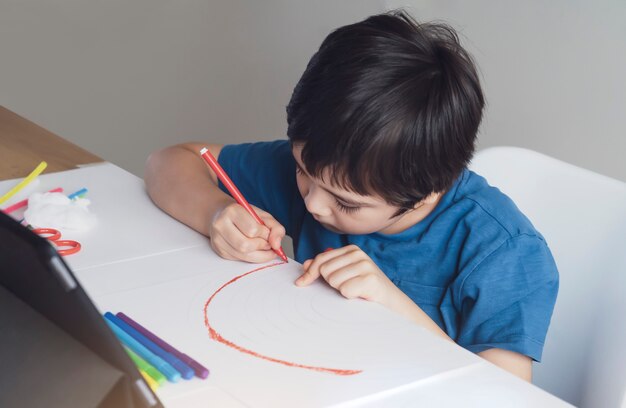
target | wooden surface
x=23, y=145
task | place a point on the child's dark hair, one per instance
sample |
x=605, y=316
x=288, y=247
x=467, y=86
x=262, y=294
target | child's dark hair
x=389, y=106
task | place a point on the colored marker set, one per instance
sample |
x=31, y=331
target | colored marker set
x=155, y=358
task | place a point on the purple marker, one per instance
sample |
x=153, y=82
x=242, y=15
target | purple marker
x=199, y=369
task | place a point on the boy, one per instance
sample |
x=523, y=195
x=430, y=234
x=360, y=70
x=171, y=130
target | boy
x=381, y=127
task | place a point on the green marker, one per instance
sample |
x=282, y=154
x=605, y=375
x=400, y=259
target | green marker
x=145, y=366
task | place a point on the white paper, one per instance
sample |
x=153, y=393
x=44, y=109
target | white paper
x=266, y=313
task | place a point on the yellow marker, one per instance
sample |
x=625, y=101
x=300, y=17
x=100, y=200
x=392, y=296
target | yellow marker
x=151, y=381
x=27, y=180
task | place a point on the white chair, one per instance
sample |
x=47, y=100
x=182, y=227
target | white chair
x=582, y=215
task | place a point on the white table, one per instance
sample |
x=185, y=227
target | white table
x=140, y=261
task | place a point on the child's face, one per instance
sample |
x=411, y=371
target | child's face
x=346, y=212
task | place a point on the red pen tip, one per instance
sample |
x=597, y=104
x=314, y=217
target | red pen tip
x=282, y=255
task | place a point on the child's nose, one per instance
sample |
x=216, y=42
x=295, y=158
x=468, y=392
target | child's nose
x=315, y=204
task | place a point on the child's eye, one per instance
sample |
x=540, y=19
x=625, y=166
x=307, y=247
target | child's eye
x=345, y=208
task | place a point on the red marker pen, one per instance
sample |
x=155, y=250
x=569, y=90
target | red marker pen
x=234, y=191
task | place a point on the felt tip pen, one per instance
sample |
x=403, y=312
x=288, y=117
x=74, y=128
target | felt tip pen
x=182, y=368
x=199, y=369
x=168, y=371
x=78, y=193
x=146, y=367
x=151, y=382
x=234, y=191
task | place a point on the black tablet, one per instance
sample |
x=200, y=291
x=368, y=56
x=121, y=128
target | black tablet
x=56, y=350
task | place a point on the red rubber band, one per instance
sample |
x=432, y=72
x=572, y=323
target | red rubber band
x=43, y=232
x=72, y=247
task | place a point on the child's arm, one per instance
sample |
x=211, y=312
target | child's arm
x=515, y=363
x=181, y=184
x=353, y=273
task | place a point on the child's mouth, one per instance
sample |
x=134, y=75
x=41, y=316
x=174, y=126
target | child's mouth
x=331, y=228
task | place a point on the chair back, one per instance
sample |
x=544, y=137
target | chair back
x=582, y=216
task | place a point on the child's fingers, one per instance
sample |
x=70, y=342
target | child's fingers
x=259, y=256
x=235, y=234
x=312, y=269
x=224, y=249
x=221, y=248
x=309, y=274
x=242, y=244
x=327, y=255
x=332, y=265
x=276, y=230
x=238, y=241
x=250, y=227
x=245, y=222
x=343, y=272
x=252, y=256
x=329, y=261
x=354, y=288
x=232, y=232
x=277, y=233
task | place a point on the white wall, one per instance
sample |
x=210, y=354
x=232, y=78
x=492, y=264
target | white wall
x=554, y=73
x=122, y=78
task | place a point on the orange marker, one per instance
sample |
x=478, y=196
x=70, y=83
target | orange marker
x=234, y=191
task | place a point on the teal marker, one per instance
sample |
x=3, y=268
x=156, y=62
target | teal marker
x=168, y=371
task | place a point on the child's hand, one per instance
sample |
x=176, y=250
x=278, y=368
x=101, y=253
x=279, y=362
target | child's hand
x=236, y=235
x=351, y=272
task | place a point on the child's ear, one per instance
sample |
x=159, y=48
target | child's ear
x=429, y=199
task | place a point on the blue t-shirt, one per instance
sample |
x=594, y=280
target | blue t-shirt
x=475, y=264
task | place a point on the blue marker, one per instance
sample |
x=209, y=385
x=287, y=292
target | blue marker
x=186, y=371
x=77, y=193
x=168, y=371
